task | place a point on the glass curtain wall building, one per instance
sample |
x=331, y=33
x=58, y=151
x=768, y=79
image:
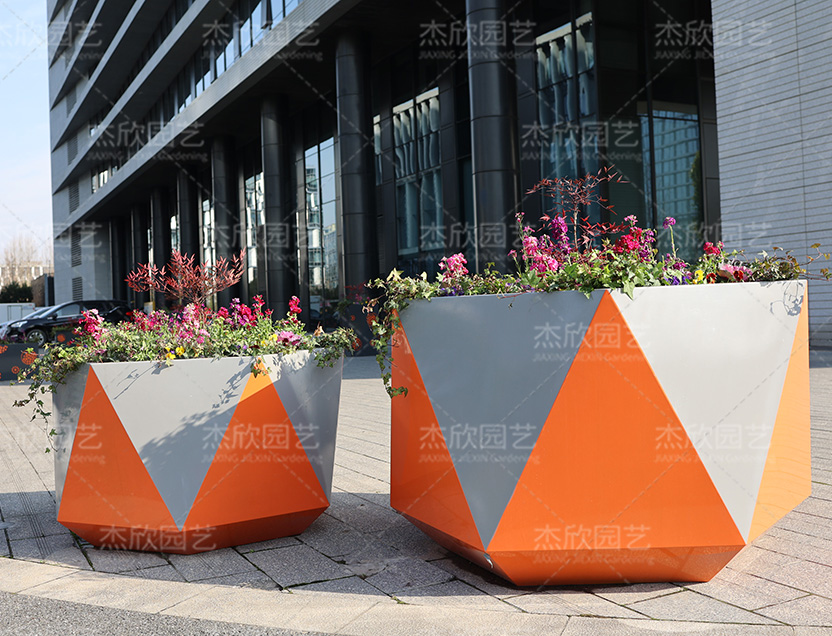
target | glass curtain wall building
x=334, y=140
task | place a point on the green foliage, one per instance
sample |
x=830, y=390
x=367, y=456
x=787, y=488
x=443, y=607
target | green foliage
x=16, y=292
x=625, y=264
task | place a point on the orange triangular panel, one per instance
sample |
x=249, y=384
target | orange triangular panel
x=260, y=449
x=107, y=486
x=423, y=483
x=613, y=469
x=787, y=477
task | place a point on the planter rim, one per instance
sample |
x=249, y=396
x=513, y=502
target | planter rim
x=637, y=290
x=281, y=356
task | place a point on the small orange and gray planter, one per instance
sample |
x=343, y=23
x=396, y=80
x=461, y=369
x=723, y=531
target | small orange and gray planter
x=555, y=438
x=198, y=455
x=14, y=358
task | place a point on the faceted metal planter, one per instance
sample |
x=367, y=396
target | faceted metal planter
x=554, y=438
x=195, y=456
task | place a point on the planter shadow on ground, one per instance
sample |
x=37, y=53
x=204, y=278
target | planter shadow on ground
x=358, y=369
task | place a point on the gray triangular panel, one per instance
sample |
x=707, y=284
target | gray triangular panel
x=720, y=352
x=66, y=405
x=492, y=367
x=310, y=395
x=176, y=417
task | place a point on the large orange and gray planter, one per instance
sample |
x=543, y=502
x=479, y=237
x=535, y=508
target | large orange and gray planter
x=555, y=438
x=195, y=456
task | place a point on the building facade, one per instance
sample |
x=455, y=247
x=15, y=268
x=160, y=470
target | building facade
x=334, y=140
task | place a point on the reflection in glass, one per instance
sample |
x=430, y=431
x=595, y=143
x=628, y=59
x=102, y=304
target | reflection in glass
x=255, y=227
x=209, y=253
x=421, y=226
x=321, y=225
x=568, y=140
x=678, y=178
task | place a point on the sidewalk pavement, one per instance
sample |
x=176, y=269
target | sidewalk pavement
x=363, y=569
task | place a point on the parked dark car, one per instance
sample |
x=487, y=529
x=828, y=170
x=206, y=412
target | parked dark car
x=41, y=329
x=4, y=326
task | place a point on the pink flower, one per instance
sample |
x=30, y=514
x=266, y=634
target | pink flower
x=294, y=305
x=454, y=266
x=288, y=338
x=92, y=324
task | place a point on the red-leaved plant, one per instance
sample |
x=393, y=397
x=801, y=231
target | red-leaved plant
x=183, y=282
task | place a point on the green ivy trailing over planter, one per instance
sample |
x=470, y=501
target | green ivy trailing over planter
x=566, y=252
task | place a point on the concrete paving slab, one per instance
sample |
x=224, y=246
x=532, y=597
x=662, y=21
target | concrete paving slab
x=807, y=610
x=21, y=503
x=412, y=541
x=571, y=603
x=360, y=514
x=271, y=544
x=455, y=594
x=34, y=525
x=407, y=620
x=581, y=626
x=322, y=612
x=17, y=576
x=116, y=591
x=404, y=574
x=626, y=594
x=159, y=573
x=744, y=590
x=479, y=578
x=333, y=538
x=58, y=550
x=349, y=585
x=296, y=565
x=117, y=561
x=783, y=541
x=209, y=565
x=691, y=606
x=255, y=580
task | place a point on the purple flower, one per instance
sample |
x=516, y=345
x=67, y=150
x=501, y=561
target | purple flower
x=560, y=234
x=669, y=221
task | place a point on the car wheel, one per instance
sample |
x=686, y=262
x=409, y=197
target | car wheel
x=37, y=337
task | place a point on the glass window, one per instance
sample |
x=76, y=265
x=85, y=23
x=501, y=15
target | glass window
x=70, y=310
x=277, y=10
x=175, y=244
x=245, y=32
x=420, y=220
x=255, y=231
x=209, y=254
x=322, y=224
x=567, y=133
x=259, y=20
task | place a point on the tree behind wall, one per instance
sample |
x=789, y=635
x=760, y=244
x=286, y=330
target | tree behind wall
x=16, y=292
x=24, y=258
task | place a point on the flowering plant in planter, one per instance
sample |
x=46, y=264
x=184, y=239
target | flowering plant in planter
x=191, y=331
x=567, y=252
